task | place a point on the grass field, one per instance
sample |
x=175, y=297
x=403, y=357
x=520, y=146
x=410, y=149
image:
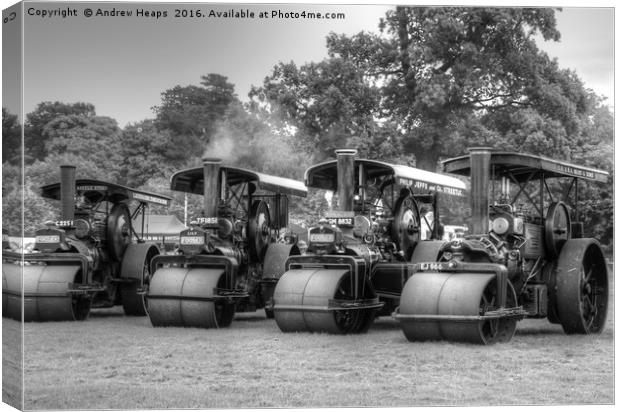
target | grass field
x=112, y=361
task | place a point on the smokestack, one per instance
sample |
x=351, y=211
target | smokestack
x=346, y=178
x=67, y=192
x=480, y=170
x=210, y=186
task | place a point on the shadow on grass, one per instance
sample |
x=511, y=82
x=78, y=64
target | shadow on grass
x=541, y=331
x=114, y=312
x=258, y=316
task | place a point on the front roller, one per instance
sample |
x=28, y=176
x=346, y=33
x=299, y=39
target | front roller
x=458, y=307
x=47, y=293
x=321, y=300
x=581, y=287
x=180, y=296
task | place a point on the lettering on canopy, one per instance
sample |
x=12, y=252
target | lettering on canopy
x=433, y=187
x=148, y=198
x=90, y=188
x=573, y=171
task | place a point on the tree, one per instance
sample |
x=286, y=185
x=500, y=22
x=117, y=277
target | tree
x=93, y=140
x=443, y=68
x=147, y=153
x=36, y=121
x=191, y=112
x=11, y=138
x=326, y=104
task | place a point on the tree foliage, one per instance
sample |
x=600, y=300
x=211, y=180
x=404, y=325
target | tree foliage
x=327, y=102
x=11, y=138
x=192, y=111
x=36, y=121
x=444, y=69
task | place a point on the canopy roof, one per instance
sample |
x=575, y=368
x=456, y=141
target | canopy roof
x=325, y=176
x=95, y=189
x=524, y=167
x=191, y=181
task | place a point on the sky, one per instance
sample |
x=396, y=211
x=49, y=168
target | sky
x=123, y=64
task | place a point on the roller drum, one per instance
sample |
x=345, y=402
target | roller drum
x=186, y=297
x=46, y=295
x=290, y=292
x=454, y=296
x=420, y=296
x=302, y=302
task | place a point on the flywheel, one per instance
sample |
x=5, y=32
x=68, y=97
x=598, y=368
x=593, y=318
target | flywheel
x=557, y=228
x=119, y=231
x=406, y=225
x=259, y=225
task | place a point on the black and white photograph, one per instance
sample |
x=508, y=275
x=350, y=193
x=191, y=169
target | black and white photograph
x=307, y=205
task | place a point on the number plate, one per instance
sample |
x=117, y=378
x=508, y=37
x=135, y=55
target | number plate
x=192, y=240
x=64, y=223
x=322, y=237
x=48, y=239
x=341, y=221
x=206, y=220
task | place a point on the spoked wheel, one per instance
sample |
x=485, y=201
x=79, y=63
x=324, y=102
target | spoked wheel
x=81, y=307
x=498, y=330
x=581, y=287
x=351, y=320
x=224, y=313
x=447, y=298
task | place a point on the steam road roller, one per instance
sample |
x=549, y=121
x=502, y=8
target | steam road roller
x=358, y=256
x=229, y=260
x=91, y=258
x=525, y=257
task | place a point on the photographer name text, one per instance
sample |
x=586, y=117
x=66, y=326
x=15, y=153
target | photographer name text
x=194, y=13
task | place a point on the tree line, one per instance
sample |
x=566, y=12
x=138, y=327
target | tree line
x=430, y=83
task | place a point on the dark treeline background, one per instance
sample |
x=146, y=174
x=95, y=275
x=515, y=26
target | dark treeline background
x=431, y=83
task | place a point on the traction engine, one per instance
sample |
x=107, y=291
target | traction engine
x=91, y=258
x=357, y=257
x=230, y=259
x=524, y=258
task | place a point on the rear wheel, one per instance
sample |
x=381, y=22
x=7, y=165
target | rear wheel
x=581, y=287
x=136, y=274
x=134, y=301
